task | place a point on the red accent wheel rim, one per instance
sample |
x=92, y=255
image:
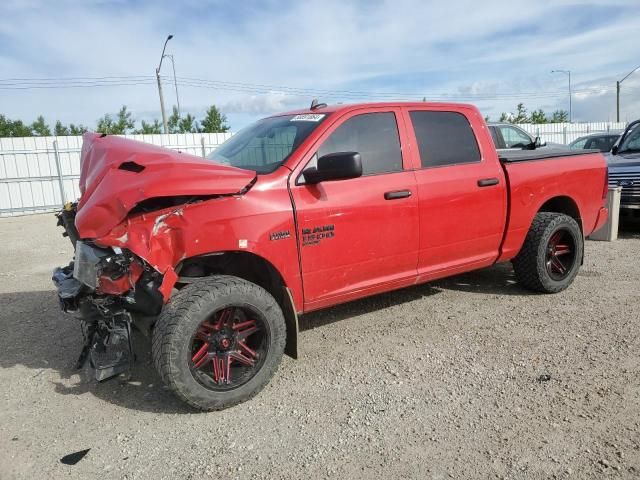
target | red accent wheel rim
x=561, y=254
x=229, y=348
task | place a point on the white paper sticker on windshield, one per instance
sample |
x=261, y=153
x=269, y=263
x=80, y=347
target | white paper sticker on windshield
x=308, y=117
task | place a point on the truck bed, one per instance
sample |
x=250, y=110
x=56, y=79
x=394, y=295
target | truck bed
x=531, y=155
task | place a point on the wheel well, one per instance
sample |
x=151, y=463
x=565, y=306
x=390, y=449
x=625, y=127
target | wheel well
x=564, y=205
x=244, y=265
x=250, y=267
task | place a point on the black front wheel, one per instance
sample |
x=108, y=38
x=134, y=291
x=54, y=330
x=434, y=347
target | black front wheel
x=219, y=341
x=551, y=255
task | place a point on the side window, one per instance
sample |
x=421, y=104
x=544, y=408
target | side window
x=593, y=143
x=444, y=138
x=579, y=144
x=494, y=136
x=610, y=141
x=374, y=136
x=514, y=137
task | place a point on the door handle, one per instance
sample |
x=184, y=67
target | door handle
x=397, y=194
x=487, y=182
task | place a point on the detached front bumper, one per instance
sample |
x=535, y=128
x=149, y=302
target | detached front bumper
x=106, y=331
x=69, y=288
x=107, y=289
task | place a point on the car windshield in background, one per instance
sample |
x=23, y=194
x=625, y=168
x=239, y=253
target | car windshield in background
x=631, y=142
x=599, y=142
x=266, y=144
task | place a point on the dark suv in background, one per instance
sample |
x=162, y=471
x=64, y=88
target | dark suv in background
x=624, y=169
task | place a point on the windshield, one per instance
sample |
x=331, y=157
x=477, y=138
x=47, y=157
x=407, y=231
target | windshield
x=264, y=145
x=631, y=142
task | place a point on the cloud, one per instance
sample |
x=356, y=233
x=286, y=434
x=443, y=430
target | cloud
x=261, y=104
x=410, y=47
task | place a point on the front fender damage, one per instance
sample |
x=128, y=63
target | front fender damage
x=120, y=280
x=129, y=232
x=158, y=240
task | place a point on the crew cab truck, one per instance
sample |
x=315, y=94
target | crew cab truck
x=215, y=258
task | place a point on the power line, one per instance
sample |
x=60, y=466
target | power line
x=61, y=79
x=81, y=85
x=261, y=89
x=346, y=93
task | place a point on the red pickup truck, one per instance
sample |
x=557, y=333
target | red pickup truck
x=215, y=258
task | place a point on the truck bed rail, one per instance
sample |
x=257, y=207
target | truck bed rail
x=531, y=155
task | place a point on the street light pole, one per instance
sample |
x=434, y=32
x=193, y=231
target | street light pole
x=568, y=72
x=175, y=82
x=618, y=92
x=164, y=115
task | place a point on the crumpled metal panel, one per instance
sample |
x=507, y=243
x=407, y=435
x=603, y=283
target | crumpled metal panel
x=110, y=190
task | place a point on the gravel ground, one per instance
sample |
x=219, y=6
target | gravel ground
x=445, y=380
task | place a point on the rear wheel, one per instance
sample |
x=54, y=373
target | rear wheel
x=550, y=257
x=219, y=341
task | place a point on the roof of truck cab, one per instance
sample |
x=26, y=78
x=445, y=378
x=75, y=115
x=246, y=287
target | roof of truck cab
x=345, y=107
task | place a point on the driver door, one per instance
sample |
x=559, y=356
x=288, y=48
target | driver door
x=358, y=236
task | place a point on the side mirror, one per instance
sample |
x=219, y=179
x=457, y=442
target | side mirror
x=614, y=149
x=539, y=143
x=335, y=166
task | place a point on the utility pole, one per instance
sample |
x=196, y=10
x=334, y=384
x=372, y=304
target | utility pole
x=164, y=114
x=618, y=92
x=175, y=82
x=567, y=72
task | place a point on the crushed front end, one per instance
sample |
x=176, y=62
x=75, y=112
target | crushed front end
x=129, y=233
x=108, y=289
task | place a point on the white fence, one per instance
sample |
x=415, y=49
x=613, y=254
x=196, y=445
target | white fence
x=39, y=174
x=567, y=132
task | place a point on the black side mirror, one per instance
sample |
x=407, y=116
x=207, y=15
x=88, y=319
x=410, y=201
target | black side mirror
x=539, y=143
x=614, y=149
x=335, y=166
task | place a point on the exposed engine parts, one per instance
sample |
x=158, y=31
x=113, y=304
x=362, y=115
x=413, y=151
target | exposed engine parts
x=106, y=288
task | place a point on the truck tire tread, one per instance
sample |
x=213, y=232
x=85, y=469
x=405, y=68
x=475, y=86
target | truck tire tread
x=529, y=263
x=169, y=331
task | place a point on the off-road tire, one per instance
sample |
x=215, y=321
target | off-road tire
x=530, y=264
x=181, y=317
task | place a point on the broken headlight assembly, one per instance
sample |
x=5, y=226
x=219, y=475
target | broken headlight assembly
x=108, y=271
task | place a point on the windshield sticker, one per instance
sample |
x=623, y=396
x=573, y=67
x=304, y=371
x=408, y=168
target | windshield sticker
x=308, y=117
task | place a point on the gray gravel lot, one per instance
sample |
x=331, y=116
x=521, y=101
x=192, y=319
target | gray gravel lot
x=435, y=381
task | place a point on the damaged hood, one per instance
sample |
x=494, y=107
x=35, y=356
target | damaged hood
x=116, y=174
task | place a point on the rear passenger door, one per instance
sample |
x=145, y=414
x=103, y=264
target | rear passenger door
x=358, y=236
x=461, y=191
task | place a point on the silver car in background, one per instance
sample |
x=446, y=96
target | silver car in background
x=602, y=141
x=507, y=136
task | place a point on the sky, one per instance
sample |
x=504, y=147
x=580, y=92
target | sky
x=256, y=58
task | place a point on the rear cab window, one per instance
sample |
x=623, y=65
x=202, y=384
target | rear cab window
x=444, y=138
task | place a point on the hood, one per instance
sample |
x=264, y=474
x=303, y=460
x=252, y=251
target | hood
x=116, y=174
x=623, y=160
